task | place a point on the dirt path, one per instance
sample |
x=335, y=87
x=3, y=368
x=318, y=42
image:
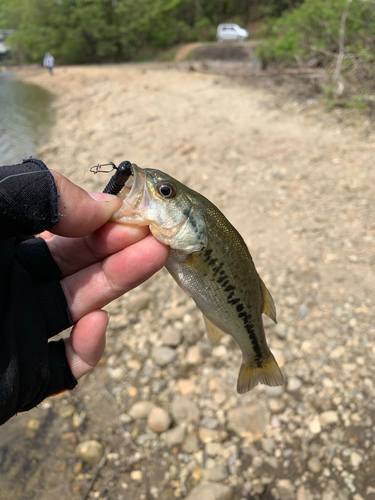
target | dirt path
x=185, y=50
x=299, y=186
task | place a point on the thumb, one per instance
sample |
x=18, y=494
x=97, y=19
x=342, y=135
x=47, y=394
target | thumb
x=79, y=212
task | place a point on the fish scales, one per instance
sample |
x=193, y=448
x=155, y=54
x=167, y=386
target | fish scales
x=211, y=262
x=227, y=293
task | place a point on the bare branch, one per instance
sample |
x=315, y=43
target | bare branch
x=323, y=51
x=337, y=73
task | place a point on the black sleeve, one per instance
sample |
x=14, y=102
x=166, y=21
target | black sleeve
x=33, y=307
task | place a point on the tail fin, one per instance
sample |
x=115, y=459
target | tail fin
x=250, y=375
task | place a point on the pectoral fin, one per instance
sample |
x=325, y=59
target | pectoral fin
x=250, y=374
x=268, y=303
x=214, y=333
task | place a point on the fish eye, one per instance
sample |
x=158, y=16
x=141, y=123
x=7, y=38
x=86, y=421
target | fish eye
x=166, y=189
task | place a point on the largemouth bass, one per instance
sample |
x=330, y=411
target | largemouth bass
x=212, y=264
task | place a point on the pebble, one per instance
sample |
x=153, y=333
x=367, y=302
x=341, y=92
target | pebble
x=303, y=494
x=285, y=490
x=175, y=436
x=216, y=474
x=268, y=445
x=159, y=420
x=220, y=352
x=294, y=384
x=355, y=459
x=276, y=405
x=158, y=385
x=176, y=313
x=116, y=373
x=78, y=418
x=213, y=449
x=184, y=410
x=329, y=417
x=315, y=426
x=190, y=443
x=210, y=491
x=163, y=355
x=337, y=352
x=274, y=392
x=141, y=409
x=132, y=391
x=245, y=420
x=136, y=475
x=192, y=336
x=33, y=424
x=67, y=411
x=90, y=452
x=125, y=418
x=280, y=331
x=303, y=310
x=210, y=423
x=208, y=435
x=134, y=364
x=186, y=386
x=139, y=302
x=194, y=355
x=171, y=337
x=314, y=465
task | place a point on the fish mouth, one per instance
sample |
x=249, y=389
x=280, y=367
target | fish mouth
x=134, y=184
x=134, y=196
x=130, y=173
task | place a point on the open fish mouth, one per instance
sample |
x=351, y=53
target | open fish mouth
x=129, y=173
x=135, y=181
x=134, y=196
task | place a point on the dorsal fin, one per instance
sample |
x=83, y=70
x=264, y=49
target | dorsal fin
x=214, y=333
x=268, y=303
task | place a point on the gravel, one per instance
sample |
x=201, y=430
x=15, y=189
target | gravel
x=298, y=184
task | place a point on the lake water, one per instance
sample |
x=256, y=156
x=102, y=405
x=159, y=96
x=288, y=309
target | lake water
x=24, y=118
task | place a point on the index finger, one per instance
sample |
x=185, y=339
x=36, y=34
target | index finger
x=73, y=254
x=97, y=285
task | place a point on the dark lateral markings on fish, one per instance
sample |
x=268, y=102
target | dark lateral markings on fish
x=223, y=281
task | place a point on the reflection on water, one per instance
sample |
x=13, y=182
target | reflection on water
x=24, y=118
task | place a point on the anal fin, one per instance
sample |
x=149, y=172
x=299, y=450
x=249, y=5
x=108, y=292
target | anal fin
x=214, y=333
x=268, y=303
x=267, y=373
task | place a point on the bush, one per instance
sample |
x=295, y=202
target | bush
x=313, y=29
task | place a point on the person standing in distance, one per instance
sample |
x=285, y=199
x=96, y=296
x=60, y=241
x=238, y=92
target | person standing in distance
x=49, y=62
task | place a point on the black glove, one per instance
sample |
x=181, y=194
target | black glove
x=33, y=307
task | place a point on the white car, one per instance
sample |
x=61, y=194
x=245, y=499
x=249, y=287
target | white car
x=231, y=32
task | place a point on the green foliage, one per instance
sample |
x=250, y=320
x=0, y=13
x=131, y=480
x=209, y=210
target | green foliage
x=275, y=8
x=84, y=31
x=313, y=30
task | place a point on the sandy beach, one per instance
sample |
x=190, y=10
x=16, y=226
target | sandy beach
x=298, y=184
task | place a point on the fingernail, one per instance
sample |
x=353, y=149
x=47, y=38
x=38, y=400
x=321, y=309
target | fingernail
x=102, y=196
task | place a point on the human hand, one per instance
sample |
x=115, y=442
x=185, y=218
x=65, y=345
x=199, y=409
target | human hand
x=99, y=261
